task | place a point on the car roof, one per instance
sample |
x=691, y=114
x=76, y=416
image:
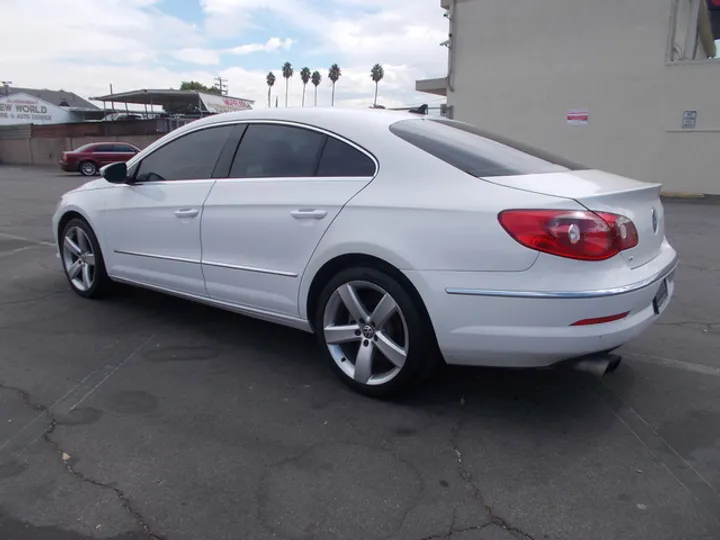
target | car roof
x=331, y=118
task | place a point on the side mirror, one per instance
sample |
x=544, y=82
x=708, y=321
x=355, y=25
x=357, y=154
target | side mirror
x=115, y=173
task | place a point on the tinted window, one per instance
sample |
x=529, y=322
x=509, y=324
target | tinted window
x=124, y=148
x=475, y=151
x=270, y=150
x=104, y=148
x=340, y=159
x=192, y=156
x=85, y=148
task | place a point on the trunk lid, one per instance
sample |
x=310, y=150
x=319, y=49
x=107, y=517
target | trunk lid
x=604, y=192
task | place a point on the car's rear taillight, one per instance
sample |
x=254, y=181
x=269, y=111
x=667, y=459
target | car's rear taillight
x=582, y=235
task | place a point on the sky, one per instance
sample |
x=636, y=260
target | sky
x=83, y=46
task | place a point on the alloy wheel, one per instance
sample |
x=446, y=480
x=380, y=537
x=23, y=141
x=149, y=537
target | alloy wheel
x=78, y=258
x=88, y=169
x=366, y=333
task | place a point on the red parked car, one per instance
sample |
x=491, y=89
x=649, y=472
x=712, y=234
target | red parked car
x=88, y=159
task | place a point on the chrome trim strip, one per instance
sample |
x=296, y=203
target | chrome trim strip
x=279, y=318
x=151, y=256
x=669, y=269
x=250, y=269
x=209, y=263
x=160, y=143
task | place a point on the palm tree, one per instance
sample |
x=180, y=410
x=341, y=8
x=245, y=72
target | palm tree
x=305, y=76
x=270, y=82
x=287, y=72
x=377, y=73
x=316, y=79
x=334, y=75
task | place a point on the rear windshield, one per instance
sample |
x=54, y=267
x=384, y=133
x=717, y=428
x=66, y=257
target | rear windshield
x=84, y=147
x=477, y=152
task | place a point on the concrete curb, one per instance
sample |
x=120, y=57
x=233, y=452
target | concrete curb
x=705, y=198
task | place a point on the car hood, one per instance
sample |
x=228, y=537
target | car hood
x=99, y=183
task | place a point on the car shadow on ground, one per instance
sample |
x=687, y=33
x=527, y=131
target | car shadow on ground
x=527, y=395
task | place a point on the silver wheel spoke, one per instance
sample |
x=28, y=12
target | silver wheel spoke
x=72, y=246
x=363, y=363
x=382, y=312
x=390, y=350
x=82, y=241
x=86, y=277
x=352, y=302
x=90, y=259
x=74, y=269
x=341, y=334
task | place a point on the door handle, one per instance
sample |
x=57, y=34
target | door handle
x=187, y=212
x=308, y=213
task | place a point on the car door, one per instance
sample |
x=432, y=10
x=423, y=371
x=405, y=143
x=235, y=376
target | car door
x=261, y=225
x=103, y=154
x=152, y=225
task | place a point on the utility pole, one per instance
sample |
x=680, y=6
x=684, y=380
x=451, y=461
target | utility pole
x=6, y=87
x=220, y=85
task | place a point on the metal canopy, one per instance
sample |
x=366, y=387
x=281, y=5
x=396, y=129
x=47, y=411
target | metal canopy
x=173, y=97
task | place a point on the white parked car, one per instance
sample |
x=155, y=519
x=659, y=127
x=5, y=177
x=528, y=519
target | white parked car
x=400, y=240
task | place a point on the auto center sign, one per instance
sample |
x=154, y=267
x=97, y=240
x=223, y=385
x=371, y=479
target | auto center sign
x=26, y=109
x=221, y=104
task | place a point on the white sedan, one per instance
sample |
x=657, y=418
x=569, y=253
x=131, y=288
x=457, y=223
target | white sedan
x=400, y=240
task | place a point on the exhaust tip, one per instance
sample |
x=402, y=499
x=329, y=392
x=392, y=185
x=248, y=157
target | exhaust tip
x=598, y=366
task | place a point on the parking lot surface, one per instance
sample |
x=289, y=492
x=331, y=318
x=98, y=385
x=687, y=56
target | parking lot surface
x=144, y=416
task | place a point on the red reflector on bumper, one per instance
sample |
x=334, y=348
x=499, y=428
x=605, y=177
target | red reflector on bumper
x=600, y=320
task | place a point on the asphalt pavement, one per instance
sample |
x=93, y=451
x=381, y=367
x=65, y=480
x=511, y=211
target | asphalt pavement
x=144, y=416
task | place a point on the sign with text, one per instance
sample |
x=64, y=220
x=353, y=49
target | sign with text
x=26, y=109
x=221, y=104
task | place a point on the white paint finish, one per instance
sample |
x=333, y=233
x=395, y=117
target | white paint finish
x=434, y=223
x=528, y=332
x=257, y=248
x=614, y=66
x=140, y=220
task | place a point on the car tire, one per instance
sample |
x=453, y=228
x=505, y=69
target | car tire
x=88, y=168
x=364, y=314
x=83, y=261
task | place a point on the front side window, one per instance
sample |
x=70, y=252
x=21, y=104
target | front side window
x=192, y=156
x=104, y=148
x=272, y=151
x=475, y=151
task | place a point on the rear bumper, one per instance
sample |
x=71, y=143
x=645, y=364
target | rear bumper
x=482, y=326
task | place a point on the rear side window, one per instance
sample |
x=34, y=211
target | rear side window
x=273, y=151
x=124, y=148
x=104, y=148
x=477, y=152
x=340, y=159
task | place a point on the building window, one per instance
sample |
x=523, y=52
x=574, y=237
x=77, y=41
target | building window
x=694, y=28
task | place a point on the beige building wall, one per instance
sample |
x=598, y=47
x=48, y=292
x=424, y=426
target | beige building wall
x=520, y=65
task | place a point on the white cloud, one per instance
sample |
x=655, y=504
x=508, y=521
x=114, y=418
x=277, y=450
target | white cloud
x=272, y=44
x=89, y=44
x=203, y=57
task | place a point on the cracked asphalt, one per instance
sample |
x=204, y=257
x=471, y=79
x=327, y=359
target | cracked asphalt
x=144, y=416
